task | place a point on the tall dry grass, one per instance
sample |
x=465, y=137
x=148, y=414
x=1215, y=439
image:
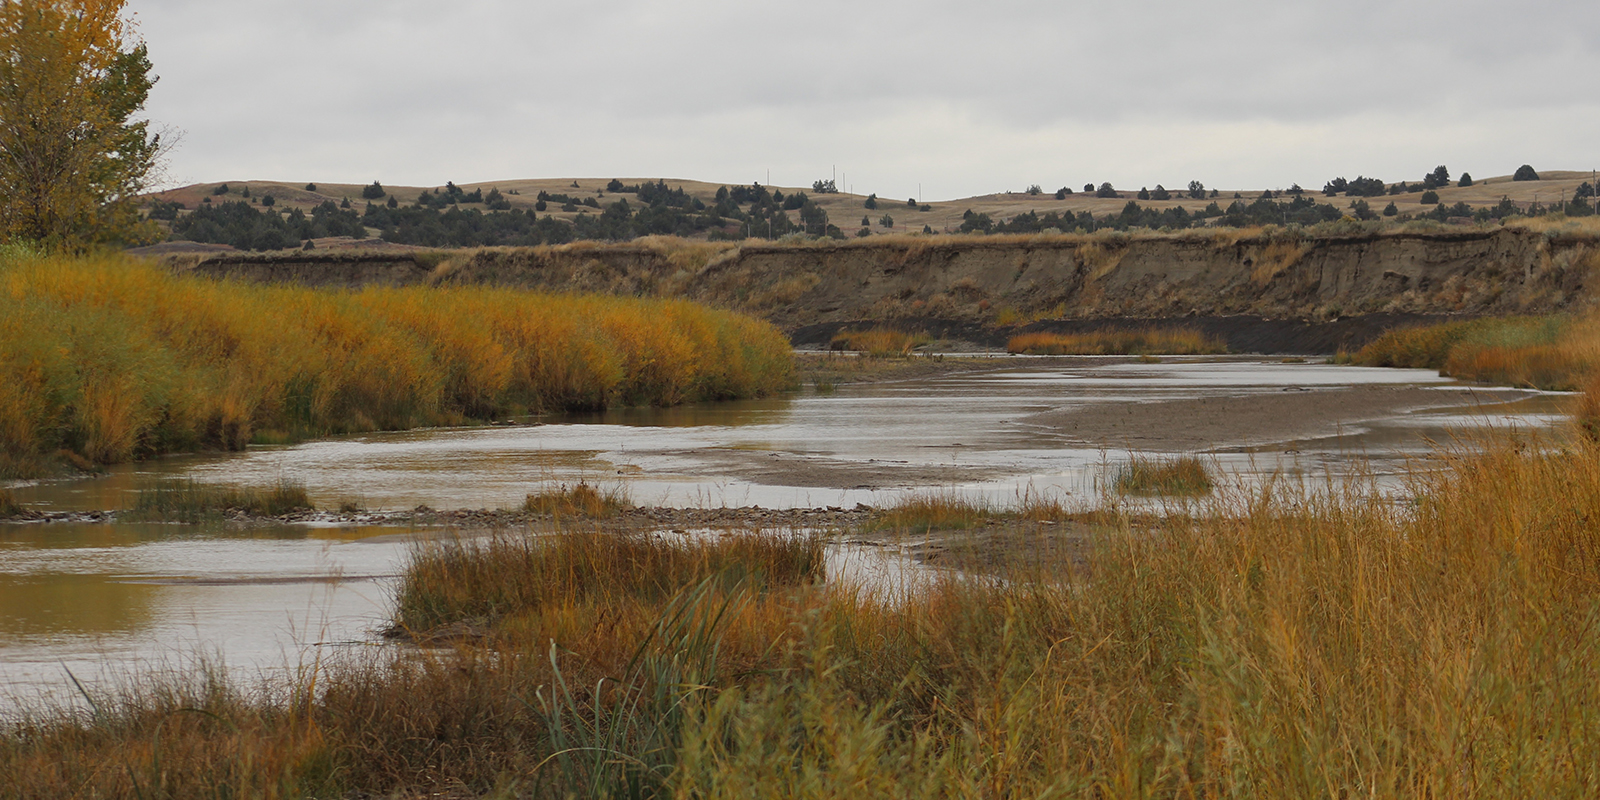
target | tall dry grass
x=880, y=342
x=1555, y=353
x=594, y=649
x=1298, y=646
x=1291, y=643
x=502, y=578
x=1177, y=476
x=9, y=507
x=192, y=501
x=1147, y=341
x=114, y=359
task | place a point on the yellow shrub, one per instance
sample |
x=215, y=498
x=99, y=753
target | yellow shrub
x=113, y=358
x=1174, y=341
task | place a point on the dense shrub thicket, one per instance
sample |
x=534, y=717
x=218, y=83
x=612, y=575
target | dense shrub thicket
x=248, y=228
x=115, y=359
x=444, y=218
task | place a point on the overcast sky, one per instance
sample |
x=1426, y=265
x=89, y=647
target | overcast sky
x=962, y=98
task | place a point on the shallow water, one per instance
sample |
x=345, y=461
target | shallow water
x=106, y=601
x=951, y=431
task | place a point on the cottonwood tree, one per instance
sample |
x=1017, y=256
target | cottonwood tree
x=72, y=157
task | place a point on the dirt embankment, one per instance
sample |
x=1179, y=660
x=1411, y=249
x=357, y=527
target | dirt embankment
x=1259, y=290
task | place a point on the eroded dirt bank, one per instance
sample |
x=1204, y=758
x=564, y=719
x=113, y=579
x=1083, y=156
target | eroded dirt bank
x=1261, y=286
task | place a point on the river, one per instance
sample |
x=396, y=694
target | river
x=107, y=602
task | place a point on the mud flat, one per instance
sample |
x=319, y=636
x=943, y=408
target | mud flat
x=1215, y=423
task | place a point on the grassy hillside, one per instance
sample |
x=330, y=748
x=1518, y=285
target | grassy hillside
x=847, y=210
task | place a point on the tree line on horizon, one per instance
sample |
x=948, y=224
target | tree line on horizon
x=444, y=218
x=447, y=218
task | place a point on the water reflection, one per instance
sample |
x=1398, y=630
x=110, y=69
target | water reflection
x=106, y=601
x=52, y=605
x=728, y=414
x=863, y=443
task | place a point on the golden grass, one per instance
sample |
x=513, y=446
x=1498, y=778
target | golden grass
x=1296, y=649
x=1555, y=353
x=9, y=507
x=685, y=254
x=1557, y=224
x=1167, y=341
x=1286, y=644
x=488, y=581
x=115, y=359
x=1277, y=257
x=581, y=500
x=1180, y=476
x=190, y=501
x=921, y=513
x=1100, y=256
x=880, y=342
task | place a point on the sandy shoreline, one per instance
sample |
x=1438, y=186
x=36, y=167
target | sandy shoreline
x=1213, y=423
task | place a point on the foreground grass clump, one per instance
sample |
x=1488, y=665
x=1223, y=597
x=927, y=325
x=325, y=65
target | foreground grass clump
x=1553, y=353
x=925, y=512
x=510, y=577
x=9, y=507
x=1289, y=643
x=1148, y=341
x=581, y=500
x=192, y=501
x=1182, y=476
x=880, y=342
x=112, y=359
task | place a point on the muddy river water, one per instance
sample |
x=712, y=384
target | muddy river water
x=108, y=601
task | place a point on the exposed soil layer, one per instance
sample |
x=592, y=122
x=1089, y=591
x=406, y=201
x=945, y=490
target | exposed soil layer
x=1263, y=292
x=1219, y=423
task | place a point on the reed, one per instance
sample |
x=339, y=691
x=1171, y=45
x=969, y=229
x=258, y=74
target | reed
x=9, y=507
x=1553, y=353
x=192, y=501
x=581, y=500
x=1147, y=341
x=114, y=359
x=1292, y=644
x=507, y=576
x=1180, y=476
x=880, y=342
x=921, y=513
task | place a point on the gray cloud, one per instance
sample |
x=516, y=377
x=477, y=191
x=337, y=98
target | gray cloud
x=961, y=97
